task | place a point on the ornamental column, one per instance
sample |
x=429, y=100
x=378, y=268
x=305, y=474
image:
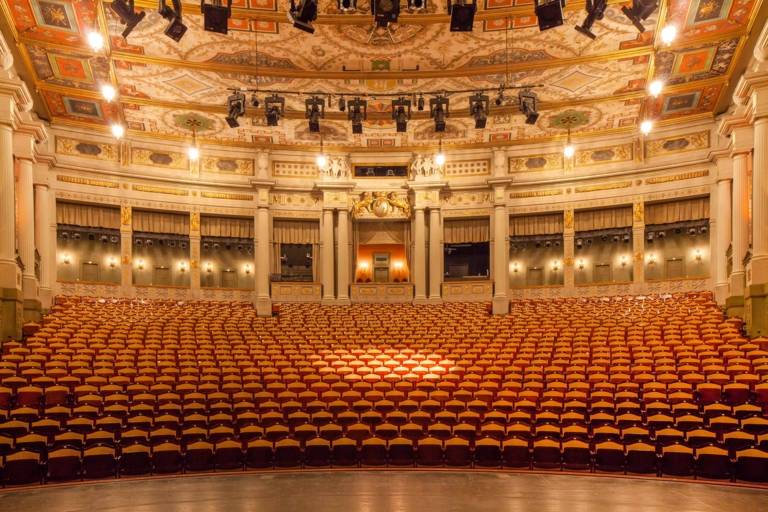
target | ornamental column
x=419, y=256
x=435, y=255
x=342, y=257
x=569, y=251
x=24, y=153
x=43, y=219
x=126, y=251
x=194, y=254
x=759, y=259
x=638, y=245
x=500, y=232
x=263, y=299
x=10, y=275
x=739, y=225
x=722, y=230
x=326, y=255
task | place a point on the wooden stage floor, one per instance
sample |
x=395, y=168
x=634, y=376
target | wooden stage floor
x=373, y=491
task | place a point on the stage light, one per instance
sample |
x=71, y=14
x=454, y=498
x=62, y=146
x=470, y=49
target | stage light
x=417, y=5
x=528, y=103
x=321, y=160
x=401, y=113
x=176, y=28
x=193, y=153
x=439, y=111
x=668, y=34
x=303, y=15
x=117, y=130
x=500, y=99
x=478, y=109
x=569, y=150
x=347, y=6
x=254, y=100
x=655, y=88
x=314, y=111
x=646, y=127
x=128, y=16
x=216, y=16
x=440, y=159
x=358, y=112
x=108, y=92
x=639, y=12
x=549, y=13
x=462, y=15
x=385, y=11
x=95, y=41
x=342, y=104
x=595, y=11
x=236, y=108
x=274, y=106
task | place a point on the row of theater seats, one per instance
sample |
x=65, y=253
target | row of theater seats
x=102, y=461
x=663, y=371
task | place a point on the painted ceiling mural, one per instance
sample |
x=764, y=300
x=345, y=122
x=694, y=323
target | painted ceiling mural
x=167, y=87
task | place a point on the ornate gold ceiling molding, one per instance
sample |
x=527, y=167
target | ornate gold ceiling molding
x=373, y=116
x=382, y=75
x=367, y=19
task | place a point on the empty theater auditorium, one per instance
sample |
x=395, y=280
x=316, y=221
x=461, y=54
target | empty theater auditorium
x=377, y=255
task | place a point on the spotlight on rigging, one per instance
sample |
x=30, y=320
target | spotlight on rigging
x=216, y=15
x=420, y=103
x=176, y=28
x=385, y=11
x=528, y=103
x=127, y=14
x=462, y=15
x=236, y=108
x=401, y=113
x=417, y=5
x=347, y=6
x=342, y=104
x=549, y=13
x=640, y=11
x=274, y=106
x=315, y=110
x=438, y=110
x=478, y=109
x=303, y=15
x=358, y=112
x=254, y=100
x=500, y=98
x=595, y=11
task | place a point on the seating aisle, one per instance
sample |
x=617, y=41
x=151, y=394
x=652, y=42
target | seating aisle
x=658, y=385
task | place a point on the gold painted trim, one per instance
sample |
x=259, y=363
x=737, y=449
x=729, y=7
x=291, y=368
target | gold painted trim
x=223, y=195
x=160, y=190
x=86, y=181
x=676, y=177
x=603, y=186
x=536, y=193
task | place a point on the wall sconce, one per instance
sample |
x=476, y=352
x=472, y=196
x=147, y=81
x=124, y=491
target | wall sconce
x=398, y=265
x=515, y=267
x=556, y=265
x=248, y=268
x=624, y=260
x=209, y=267
x=65, y=258
x=112, y=262
x=182, y=266
x=651, y=259
x=697, y=254
x=581, y=264
x=140, y=264
x=364, y=266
